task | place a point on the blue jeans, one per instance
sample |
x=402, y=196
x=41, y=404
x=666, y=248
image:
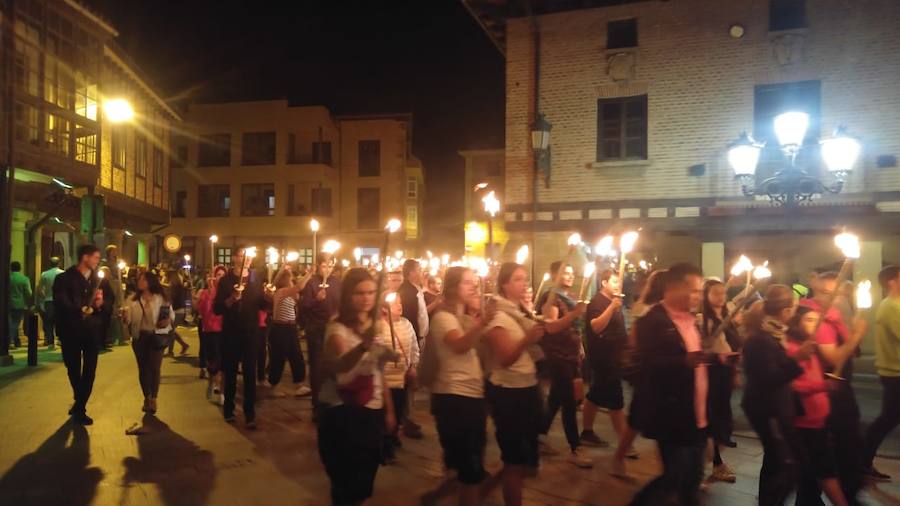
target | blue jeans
x=49, y=323
x=15, y=321
x=682, y=474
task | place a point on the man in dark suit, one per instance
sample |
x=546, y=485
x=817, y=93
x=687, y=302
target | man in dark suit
x=412, y=300
x=674, y=387
x=78, y=304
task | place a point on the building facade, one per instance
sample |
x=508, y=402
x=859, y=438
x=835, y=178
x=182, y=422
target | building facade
x=484, y=173
x=256, y=173
x=80, y=176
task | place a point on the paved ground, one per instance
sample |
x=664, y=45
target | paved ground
x=191, y=457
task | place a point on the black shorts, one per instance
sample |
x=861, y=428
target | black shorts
x=461, y=425
x=350, y=440
x=517, y=418
x=817, y=452
x=606, y=375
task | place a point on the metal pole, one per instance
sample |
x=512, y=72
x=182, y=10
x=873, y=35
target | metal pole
x=6, y=184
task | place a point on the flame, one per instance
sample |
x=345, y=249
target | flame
x=574, y=239
x=522, y=254
x=491, y=204
x=214, y=238
x=101, y=274
x=345, y=263
x=848, y=244
x=292, y=256
x=445, y=259
x=604, y=246
x=589, y=269
x=398, y=254
x=626, y=243
x=314, y=225
x=393, y=225
x=643, y=265
x=187, y=258
x=331, y=246
x=357, y=253
x=391, y=297
x=762, y=271
x=429, y=254
x=743, y=265
x=250, y=252
x=864, y=294
x=546, y=276
x=122, y=265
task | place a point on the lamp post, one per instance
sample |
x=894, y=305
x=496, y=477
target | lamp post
x=793, y=185
x=491, y=207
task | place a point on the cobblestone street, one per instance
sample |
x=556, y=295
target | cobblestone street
x=189, y=456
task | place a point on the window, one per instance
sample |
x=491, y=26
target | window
x=298, y=204
x=258, y=199
x=85, y=144
x=215, y=151
x=321, y=201
x=58, y=134
x=258, y=148
x=369, y=158
x=27, y=128
x=306, y=256
x=140, y=153
x=621, y=34
x=787, y=14
x=412, y=222
x=179, y=152
x=622, y=128
x=223, y=256
x=213, y=200
x=28, y=57
x=85, y=96
x=158, y=167
x=773, y=99
x=322, y=152
x=412, y=188
x=118, y=147
x=368, y=208
x=180, y=204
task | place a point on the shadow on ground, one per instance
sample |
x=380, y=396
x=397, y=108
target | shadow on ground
x=57, y=472
x=182, y=472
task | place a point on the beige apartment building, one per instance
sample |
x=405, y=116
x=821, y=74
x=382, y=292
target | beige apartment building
x=644, y=98
x=82, y=175
x=256, y=173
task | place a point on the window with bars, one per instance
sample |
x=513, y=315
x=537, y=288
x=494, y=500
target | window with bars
x=28, y=56
x=369, y=158
x=158, y=167
x=306, y=256
x=258, y=199
x=85, y=144
x=85, y=96
x=223, y=256
x=214, y=151
x=140, y=157
x=57, y=134
x=622, y=128
x=213, y=200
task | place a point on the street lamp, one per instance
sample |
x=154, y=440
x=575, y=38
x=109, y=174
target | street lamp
x=492, y=207
x=793, y=185
x=540, y=133
x=118, y=110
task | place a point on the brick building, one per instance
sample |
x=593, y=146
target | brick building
x=645, y=96
x=256, y=173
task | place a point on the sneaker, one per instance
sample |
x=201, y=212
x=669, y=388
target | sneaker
x=589, y=438
x=184, y=349
x=578, y=459
x=82, y=419
x=617, y=469
x=875, y=475
x=723, y=473
x=546, y=448
x=302, y=391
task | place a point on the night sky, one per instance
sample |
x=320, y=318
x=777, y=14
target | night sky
x=428, y=57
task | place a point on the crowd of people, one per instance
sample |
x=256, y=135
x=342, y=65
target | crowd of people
x=683, y=344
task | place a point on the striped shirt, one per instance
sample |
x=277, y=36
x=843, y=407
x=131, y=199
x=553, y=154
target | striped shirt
x=286, y=310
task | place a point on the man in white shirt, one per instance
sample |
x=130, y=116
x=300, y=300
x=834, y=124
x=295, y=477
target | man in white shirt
x=44, y=300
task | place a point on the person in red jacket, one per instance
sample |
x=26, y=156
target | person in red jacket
x=811, y=389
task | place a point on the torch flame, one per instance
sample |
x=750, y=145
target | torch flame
x=398, y=254
x=357, y=253
x=101, y=274
x=626, y=243
x=314, y=225
x=574, y=239
x=214, y=238
x=445, y=259
x=292, y=256
x=122, y=265
x=848, y=244
x=604, y=246
x=589, y=269
x=250, y=252
x=743, y=265
x=272, y=255
x=864, y=294
x=391, y=297
x=331, y=246
x=762, y=271
x=522, y=254
x=393, y=225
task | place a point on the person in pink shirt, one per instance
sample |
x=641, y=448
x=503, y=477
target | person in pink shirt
x=211, y=337
x=814, y=447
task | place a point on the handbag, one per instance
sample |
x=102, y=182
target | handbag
x=160, y=341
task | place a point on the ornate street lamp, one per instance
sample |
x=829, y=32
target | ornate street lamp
x=793, y=185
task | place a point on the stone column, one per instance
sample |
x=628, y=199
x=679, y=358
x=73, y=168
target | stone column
x=713, y=260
